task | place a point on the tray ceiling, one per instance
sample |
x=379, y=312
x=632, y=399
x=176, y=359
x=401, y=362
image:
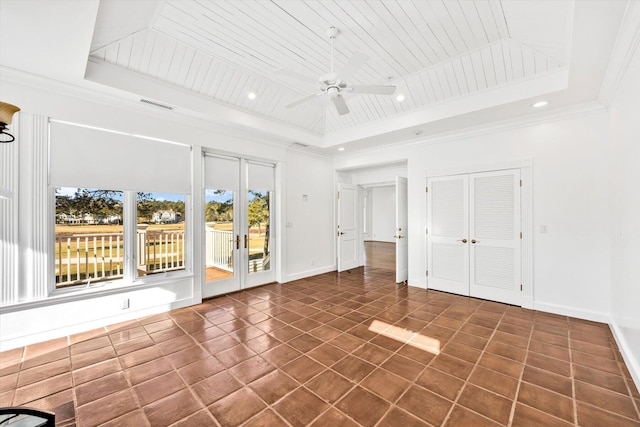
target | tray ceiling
x=434, y=51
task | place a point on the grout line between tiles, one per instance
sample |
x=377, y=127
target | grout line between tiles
x=515, y=397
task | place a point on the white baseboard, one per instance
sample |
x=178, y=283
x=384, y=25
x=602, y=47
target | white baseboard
x=631, y=360
x=563, y=310
x=308, y=273
x=24, y=340
x=417, y=283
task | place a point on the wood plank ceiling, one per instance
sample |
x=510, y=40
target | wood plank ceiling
x=433, y=51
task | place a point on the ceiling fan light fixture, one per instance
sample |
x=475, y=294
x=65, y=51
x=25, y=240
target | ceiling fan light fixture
x=540, y=104
x=400, y=97
x=252, y=95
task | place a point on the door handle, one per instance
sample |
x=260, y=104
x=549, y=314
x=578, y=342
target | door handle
x=246, y=240
x=340, y=233
x=237, y=241
x=399, y=236
x=463, y=241
x=475, y=241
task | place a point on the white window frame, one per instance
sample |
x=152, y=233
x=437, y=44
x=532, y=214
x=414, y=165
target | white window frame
x=130, y=278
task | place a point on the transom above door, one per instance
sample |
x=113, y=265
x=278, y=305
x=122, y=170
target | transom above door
x=238, y=216
x=474, y=235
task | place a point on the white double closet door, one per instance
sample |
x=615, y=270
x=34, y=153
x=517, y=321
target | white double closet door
x=474, y=235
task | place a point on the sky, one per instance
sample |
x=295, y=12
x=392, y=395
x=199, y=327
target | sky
x=209, y=195
x=70, y=191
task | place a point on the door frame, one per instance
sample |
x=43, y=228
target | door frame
x=357, y=227
x=402, y=218
x=526, y=214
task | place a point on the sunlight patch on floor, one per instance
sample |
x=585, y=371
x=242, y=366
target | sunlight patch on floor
x=406, y=336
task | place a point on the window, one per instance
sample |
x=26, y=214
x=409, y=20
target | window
x=106, y=229
x=89, y=236
x=160, y=234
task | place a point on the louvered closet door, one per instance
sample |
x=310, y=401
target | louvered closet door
x=494, y=226
x=448, y=226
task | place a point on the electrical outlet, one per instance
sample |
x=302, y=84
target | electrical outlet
x=125, y=303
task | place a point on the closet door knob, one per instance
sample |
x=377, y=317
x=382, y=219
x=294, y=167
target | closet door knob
x=475, y=241
x=463, y=240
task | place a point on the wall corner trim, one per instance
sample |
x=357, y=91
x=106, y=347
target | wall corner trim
x=627, y=354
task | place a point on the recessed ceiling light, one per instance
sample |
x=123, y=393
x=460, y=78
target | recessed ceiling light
x=400, y=97
x=540, y=104
x=252, y=95
x=341, y=149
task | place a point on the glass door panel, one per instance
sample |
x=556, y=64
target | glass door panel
x=221, y=225
x=258, y=231
x=220, y=234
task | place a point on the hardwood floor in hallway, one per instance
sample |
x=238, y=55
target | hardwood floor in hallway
x=380, y=255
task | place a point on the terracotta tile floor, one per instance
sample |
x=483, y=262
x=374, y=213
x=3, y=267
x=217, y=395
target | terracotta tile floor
x=302, y=354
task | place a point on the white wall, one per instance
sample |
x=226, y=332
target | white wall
x=309, y=224
x=383, y=213
x=571, y=261
x=36, y=316
x=624, y=223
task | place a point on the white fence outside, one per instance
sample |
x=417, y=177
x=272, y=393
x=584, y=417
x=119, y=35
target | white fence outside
x=82, y=258
x=160, y=250
x=219, y=249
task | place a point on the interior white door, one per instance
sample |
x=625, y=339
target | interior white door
x=448, y=234
x=402, y=221
x=494, y=231
x=347, y=226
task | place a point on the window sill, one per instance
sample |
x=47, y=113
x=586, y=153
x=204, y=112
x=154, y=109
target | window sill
x=98, y=290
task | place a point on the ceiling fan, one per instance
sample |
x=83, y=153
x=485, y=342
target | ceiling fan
x=334, y=84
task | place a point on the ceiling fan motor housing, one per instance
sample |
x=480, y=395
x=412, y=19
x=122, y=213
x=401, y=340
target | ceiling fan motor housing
x=332, y=32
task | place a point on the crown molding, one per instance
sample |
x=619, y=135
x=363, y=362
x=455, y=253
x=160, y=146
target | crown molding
x=625, y=47
x=515, y=123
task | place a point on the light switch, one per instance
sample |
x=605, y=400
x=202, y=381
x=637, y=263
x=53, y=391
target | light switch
x=305, y=198
x=543, y=229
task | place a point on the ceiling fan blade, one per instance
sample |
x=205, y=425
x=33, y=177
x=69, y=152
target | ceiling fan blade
x=373, y=90
x=303, y=100
x=298, y=76
x=341, y=104
x=357, y=60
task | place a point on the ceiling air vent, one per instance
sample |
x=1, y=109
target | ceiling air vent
x=157, y=104
x=300, y=144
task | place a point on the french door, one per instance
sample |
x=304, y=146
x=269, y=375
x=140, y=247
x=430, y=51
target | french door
x=238, y=243
x=474, y=238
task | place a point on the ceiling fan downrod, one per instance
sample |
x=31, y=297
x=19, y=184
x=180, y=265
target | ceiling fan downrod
x=332, y=32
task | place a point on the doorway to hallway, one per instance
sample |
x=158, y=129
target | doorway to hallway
x=380, y=255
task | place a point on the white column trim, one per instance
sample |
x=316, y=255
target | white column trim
x=35, y=207
x=526, y=219
x=9, y=158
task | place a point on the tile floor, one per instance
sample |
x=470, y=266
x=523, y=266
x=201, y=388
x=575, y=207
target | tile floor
x=302, y=354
